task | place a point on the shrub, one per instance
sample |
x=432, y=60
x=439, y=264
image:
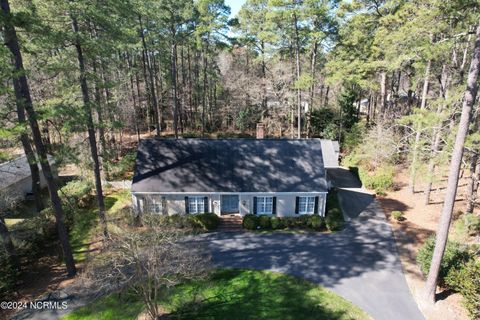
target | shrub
x=466, y=280
x=250, y=222
x=8, y=275
x=380, y=180
x=77, y=192
x=289, y=222
x=334, y=219
x=123, y=168
x=207, y=221
x=277, y=223
x=264, y=222
x=180, y=221
x=332, y=200
x=472, y=223
x=301, y=221
x=453, y=258
x=398, y=215
x=316, y=222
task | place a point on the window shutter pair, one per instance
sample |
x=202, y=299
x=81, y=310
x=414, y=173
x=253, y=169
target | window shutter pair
x=297, y=205
x=205, y=205
x=274, y=205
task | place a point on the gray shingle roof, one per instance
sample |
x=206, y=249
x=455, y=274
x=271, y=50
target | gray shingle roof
x=230, y=165
x=15, y=170
x=330, y=152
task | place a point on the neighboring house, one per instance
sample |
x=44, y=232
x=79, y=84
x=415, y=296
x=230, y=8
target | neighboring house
x=260, y=176
x=16, y=179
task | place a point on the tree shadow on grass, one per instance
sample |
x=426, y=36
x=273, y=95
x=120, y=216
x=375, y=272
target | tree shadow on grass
x=110, y=202
x=247, y=294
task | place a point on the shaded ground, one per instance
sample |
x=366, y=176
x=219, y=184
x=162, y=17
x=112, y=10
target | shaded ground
x=421, y=222
x=46, y=279
x=233, y=294
x=360, y=263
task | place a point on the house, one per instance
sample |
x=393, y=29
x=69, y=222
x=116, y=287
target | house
x=16, y=179
x=260, y=176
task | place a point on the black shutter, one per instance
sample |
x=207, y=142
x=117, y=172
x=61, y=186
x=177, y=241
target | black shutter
x=315, y=211
x=297, y=201
x=254, y=205
x=205, y=204
x=274, y=205
x=187, y=211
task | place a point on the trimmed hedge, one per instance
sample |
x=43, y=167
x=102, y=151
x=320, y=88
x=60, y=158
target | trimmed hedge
x=201, y=221
x=334, y=219
x=250, y=222
x=207, y=221
x=264, y=222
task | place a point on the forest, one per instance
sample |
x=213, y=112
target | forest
x=394, y=81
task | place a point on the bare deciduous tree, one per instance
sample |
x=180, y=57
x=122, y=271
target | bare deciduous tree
x=148, y=262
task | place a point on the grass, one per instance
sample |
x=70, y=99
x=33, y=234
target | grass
x=11, y=222
x=86, y=221
x=233, y=294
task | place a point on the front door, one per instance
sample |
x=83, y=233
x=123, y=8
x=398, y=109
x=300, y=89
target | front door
x=230, y=203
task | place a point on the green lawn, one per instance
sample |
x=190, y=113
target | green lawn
x=233, y=294
x=86, y=221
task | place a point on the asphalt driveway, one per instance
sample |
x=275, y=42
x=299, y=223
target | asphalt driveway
x=359, y=263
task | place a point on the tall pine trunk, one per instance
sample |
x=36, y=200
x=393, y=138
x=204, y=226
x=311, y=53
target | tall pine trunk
x=413, y=170
x=313, y=61
x=436, y=134
x=173, y=65
x=32, y=161
x=8, y=244
x=298, y=72
x=453, y=176
x=90, y=127
x=24, y=101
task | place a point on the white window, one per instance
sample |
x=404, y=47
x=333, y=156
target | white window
x=306, y=205
x=196, y=205
x=264, y=205
x=156, y=205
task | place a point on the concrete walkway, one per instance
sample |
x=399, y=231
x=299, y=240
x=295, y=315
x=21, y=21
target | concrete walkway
x=359, y=263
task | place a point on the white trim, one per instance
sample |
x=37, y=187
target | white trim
x=222, y=193
x=264, y=205
x=307, y=203
x=197, y=204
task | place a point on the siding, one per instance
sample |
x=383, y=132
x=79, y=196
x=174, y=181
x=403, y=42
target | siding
x=175, y=203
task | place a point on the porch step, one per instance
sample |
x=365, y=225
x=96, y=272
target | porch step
x=232, y=223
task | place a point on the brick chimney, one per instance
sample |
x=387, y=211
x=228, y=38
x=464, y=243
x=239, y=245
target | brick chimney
x=260, y=130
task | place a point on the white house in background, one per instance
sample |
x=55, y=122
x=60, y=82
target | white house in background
x=231, y=176
x=16, y=179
